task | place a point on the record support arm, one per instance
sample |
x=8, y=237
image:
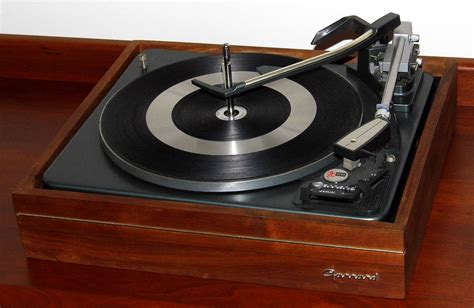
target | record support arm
x=362, y=33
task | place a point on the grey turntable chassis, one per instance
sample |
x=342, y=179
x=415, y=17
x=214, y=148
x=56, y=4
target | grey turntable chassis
x=83, y=166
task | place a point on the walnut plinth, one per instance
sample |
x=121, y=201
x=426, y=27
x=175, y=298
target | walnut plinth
x=257, y=246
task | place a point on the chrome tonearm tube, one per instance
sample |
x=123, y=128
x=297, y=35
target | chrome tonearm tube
x=308, y=63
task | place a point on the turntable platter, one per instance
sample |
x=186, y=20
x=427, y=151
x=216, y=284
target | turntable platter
x=163, y=129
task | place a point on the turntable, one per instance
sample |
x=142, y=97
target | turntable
x=257, y=167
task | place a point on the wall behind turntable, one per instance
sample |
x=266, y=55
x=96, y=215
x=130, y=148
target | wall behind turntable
x=446, y=29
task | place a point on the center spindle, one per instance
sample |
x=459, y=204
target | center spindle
x=227, y=76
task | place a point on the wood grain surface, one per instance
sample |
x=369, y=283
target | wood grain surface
x=53, y=58
x=228, y=243
x=32, y=112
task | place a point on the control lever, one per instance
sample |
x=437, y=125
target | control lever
x=367, y=33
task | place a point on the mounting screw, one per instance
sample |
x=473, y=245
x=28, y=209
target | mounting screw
x=390, y=158
x=143, y=62
x=419, y=61
x=417, y=64
x=413, y=38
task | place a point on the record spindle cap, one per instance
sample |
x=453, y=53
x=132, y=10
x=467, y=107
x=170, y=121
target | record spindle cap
x=226, y=52
x=226, y=66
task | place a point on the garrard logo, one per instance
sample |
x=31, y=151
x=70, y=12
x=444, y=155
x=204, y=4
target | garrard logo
x=332, y=273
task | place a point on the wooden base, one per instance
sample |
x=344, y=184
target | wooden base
x=247, y=245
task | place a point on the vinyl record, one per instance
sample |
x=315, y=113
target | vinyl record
x=165, y=130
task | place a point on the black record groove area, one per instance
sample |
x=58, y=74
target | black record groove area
x=124, y=129
x=266, y=109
